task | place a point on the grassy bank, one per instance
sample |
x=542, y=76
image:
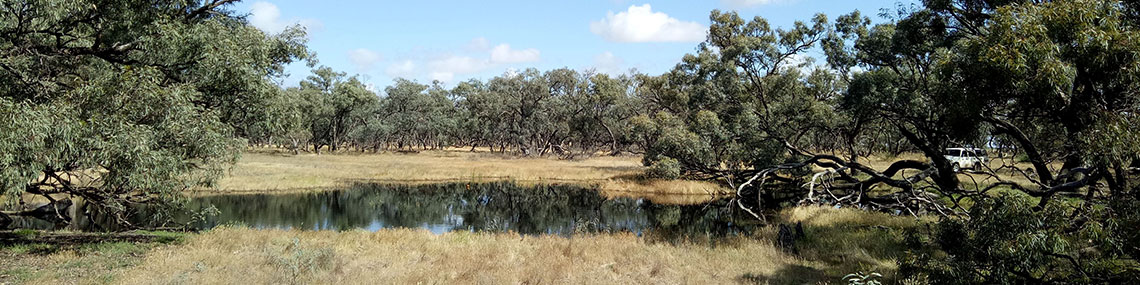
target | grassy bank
x=34, y=257
x=838, y=242
x=281, y=172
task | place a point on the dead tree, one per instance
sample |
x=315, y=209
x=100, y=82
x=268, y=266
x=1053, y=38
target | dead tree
x=836, y=182
x=840, y=182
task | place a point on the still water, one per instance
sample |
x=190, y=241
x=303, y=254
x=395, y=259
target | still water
x=493, y=207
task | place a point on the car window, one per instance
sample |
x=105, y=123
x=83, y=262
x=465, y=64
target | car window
x=981, y=152
x=953, y=152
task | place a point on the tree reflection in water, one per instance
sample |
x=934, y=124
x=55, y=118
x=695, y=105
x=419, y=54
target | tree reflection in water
x=494, y=207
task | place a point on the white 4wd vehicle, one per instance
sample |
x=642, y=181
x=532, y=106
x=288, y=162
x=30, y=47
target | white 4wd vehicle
x=962, y=158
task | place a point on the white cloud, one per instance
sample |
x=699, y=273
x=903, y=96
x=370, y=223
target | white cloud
x=608, y=63
x=267, y=17
x=746, y=3
x=458, y=64
x=471, y=59
x=478, y=44
x=640, y=24
x=264, y=15
x=445, y=69
x=364, y=59
x=401, y=69
x=511, y=72
x=503, y=53
x=442, y=76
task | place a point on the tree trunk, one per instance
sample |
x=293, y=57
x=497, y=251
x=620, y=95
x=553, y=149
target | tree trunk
x=5, y=220
x=613, y=139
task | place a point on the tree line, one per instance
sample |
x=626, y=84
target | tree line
x=130, y=102
x=559, y=112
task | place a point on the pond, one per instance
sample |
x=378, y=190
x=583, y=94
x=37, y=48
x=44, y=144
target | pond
x=492, y=207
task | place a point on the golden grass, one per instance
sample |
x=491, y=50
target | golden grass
x=246, y=256
x=873, y=240
x=269, y=172
x=75, y=258
x=63, y=267
x=838, y=241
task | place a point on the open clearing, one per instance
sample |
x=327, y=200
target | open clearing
x=274, y=171
x=839, y=241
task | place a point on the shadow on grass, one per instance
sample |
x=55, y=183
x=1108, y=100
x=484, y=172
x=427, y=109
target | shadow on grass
x=622, y=169
x=639, y=178
x=842, y=242
x=42, y=242
x=38, y=257
x=792, y=274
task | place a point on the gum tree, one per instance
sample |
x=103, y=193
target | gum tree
x=741, y=103
x=124, y=102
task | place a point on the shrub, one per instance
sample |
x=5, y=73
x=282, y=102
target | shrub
x=297, y=261
x=1007, y=240
x=665, y=168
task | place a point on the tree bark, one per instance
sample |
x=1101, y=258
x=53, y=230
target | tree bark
x=5, y=220
x=613, y=139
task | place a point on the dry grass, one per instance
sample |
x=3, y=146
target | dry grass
x=18, y=265
x=75, y=258
x=850, y=236
x=838, y=241
x=275, y=172
x=404, y=256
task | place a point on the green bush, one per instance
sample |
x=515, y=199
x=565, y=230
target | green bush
x=665, y=168
x=1007, y=240
x=297, y=261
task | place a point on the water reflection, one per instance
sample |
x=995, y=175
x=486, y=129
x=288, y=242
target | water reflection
x=497, y=207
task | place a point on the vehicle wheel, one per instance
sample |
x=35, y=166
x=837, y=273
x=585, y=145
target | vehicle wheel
x=956, y=168
x=978, y=166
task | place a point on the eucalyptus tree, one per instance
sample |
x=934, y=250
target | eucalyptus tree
x=600, y=110
x=946, y=75
x=337, y=105
x=441, y=117
x=476, y=114
x=558, y=111
x=409, y=108
x=292, y=120
x=1058, y=80
x=524, y=95
x=1055, y=79
x=121, y=102
x=739, y=104
x=485, y=114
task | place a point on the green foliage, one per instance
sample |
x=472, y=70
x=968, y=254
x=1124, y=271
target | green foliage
x=665, y=168
x=1061, y=72
x=1007, y=241
x=859, y=278
x=419, y=114
x=297, y=261
x=741, y=102
x=122, y=102
x=26, y=233
x=533, y=113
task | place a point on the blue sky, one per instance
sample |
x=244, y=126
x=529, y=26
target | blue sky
x=453, y=41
